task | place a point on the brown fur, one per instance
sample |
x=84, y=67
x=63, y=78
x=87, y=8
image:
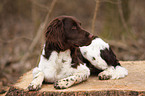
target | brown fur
x=64, y=33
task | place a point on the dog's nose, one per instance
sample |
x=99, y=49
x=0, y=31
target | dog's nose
x=91, y=36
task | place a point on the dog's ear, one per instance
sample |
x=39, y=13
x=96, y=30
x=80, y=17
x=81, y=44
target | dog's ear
x=53, y=27
x=55, y=35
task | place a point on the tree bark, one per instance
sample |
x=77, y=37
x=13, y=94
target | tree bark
x=132, y=85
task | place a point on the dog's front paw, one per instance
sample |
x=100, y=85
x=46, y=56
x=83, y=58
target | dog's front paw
x=104, y=76
x=60, y=85
x=64, y=83
x=113, y=73
x=34, y=87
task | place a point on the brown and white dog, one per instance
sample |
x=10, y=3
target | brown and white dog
x=70, y=54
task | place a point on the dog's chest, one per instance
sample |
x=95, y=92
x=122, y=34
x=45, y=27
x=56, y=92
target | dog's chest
x=58, y=65
x=63, y=58
x=56, y=61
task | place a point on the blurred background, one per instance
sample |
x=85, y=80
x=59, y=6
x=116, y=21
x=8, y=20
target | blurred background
x=121, y=23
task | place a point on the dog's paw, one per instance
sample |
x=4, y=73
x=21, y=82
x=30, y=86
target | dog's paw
x=64, y=83
x=104, y=77
x=113, y=73
x=34, y=87
x=59, y=85
x=107, y=74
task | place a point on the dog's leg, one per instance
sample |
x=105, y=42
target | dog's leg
x=113, y=73
x=38, y=77
x=82, y=73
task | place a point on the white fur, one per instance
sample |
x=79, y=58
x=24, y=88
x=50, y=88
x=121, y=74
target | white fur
x=80, y=75
x=114, y=73
x=53, y=68
x=93, y=50
x=38, y=77
x=58, y=67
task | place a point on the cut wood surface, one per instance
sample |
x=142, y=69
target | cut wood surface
x=133, y=84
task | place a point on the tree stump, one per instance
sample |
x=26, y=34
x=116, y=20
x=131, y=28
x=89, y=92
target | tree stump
x=132, y=85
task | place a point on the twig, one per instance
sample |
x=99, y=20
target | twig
x=94, y=17
x=117, y=44
x=16, y=38
x=124, y=46
x=33, y=44
x=41, y=29
x=122, y=16
x=109, y=1
x=40, y=5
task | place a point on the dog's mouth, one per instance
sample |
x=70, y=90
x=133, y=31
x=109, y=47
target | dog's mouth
x=91, y=36
x=80, y=45
x=84, y=42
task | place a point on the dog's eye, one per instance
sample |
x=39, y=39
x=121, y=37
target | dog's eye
x=74, y=27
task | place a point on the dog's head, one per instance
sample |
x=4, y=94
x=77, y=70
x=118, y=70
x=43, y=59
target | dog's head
x=65, y=32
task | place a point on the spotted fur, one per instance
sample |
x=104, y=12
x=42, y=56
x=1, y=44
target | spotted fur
x=70, y=54
x=71, y=80
x=59, y=61
x=100, y=55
